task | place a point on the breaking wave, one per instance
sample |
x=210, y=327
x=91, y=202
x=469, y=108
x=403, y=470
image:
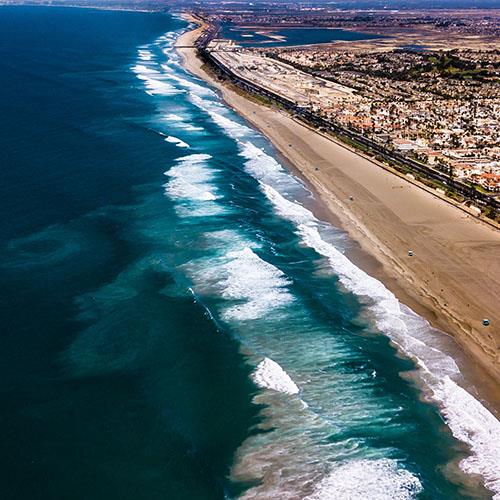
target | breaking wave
x=371, y=479
x=270, y=375
x=178, y=142
x=191, y=180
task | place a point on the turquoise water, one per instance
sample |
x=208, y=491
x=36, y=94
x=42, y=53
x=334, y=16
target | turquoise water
x=177, y=323
x=262, y=37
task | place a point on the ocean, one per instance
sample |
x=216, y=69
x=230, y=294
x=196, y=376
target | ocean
x=176, y=322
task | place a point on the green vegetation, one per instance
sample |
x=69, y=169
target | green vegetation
x=446, y=64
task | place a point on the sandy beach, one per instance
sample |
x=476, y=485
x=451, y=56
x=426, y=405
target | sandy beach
x=453, y=277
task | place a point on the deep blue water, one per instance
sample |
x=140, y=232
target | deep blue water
x=256, y=36
x=176, y=324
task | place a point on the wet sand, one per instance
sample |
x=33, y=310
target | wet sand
x=453, y=277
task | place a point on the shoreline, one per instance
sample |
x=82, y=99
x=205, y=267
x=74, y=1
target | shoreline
x=387, y=216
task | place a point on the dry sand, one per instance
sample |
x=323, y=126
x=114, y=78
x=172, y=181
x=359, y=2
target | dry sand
x=453, y=278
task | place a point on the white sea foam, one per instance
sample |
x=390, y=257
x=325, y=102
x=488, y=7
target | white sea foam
x=293, y=211
x=157, y=87
x=191, y=128
x=191, y=179
x=196, y=93
x=154, y=86
x=252, y=287
x=268, y=171
x=221, y=238
x=209, y=208
x=473, y=424
x=160, y=87
x=195, y=158
x=178, y=142
x=180, y=122
x=270, y=375
x=216, y=112
x=258, y=286
x=371, y=479
x=259, y=164
x=180, y=188
x=142, y=70
x=167, y=68
x=145, y=55
x=232, y=128
x=172, y=117
x=191, y=86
